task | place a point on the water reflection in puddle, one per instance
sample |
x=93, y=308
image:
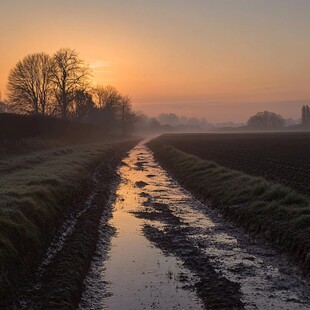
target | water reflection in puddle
x=267, y=280
x=137, y=275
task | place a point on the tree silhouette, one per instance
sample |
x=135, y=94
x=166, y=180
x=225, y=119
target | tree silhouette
x=114, y=107
x=107, y=97
x=305, y=115
x=59, y=86
x=69, y=75
x=266, y=120
x=29, y=84
x=81, y=105
x=168, y=119
x=127, y=116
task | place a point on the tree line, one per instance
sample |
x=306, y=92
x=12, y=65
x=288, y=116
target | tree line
x=59, y=85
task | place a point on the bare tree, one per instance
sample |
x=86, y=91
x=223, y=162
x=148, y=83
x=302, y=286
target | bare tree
x=115, y=108
x=69, y=75
x=98, y=93
x=81, y=105
x=126, y=115
x=106, y=97
x=29, y=84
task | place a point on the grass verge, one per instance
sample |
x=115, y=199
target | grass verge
x=35, y=198
x=261, y=207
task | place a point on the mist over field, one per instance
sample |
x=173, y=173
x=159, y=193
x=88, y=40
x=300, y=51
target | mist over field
x=154, y=154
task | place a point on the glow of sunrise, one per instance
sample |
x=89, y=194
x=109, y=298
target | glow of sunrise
x=214, y=58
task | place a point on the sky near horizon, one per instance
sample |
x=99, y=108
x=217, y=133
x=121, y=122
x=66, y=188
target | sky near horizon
x=219, y=59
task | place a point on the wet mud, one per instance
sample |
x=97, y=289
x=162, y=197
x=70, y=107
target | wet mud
x=141, y=241
x=131, y=272
x=158, y=223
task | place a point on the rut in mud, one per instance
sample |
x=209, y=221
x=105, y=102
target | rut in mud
x=163, y=249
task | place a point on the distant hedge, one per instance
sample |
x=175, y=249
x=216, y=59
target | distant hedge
x=16, y=127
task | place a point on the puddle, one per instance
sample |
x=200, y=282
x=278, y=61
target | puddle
x=133, y=273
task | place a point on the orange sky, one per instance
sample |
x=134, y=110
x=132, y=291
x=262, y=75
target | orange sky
x=219, y=59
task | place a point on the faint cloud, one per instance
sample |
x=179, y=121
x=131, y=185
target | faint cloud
x=99, y=65
x=102, y=71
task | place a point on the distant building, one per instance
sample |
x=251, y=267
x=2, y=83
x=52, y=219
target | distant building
x=305, y=115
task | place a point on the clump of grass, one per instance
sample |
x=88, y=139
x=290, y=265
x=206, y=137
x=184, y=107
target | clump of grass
x=272, y=210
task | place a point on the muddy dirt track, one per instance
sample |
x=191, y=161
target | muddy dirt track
x=163, y=249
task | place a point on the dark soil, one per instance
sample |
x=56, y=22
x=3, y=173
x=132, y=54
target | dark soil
x=215, y=291
x=279, y=157
x=62, y=282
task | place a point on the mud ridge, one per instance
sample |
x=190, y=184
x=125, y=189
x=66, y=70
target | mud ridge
x=215, y=291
